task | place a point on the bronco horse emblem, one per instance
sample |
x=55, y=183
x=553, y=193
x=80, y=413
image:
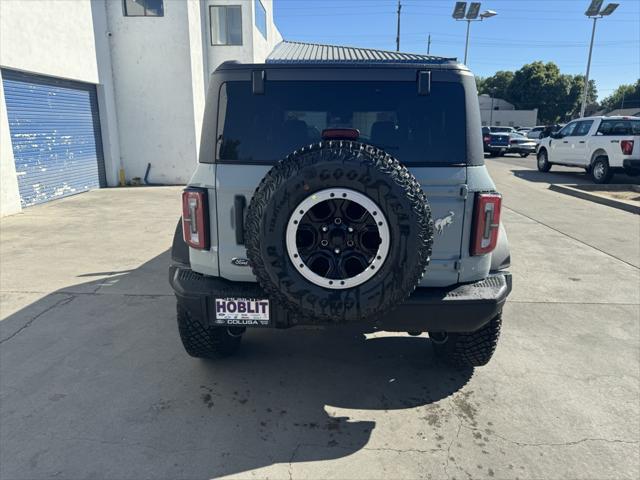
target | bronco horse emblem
x=440, y=223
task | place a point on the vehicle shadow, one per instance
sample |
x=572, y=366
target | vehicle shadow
x=574, y=176
x=98, y=384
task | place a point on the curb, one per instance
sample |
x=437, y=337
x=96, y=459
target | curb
x=610, y=202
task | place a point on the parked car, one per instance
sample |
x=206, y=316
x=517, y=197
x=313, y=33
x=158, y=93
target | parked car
x=523, y=130
x=535, y=132
x=497, y=129
x=521, y=145
x=495, y=144
x=600, y=145
x=314, y=203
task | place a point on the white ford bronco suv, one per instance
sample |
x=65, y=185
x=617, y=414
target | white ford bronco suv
x=600, y=145
x=333, y=190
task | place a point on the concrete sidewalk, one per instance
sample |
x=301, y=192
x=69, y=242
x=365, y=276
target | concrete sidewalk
x=94, y=381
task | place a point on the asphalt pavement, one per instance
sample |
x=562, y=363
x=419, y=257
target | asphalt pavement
x=94, y=382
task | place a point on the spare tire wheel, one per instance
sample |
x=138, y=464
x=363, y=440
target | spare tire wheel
x=339, y=231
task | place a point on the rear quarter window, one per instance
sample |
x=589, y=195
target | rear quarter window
x=619, y=127
x=418, y=130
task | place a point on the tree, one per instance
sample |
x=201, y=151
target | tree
x=497, y=85
x=575, y=93
x=625, y=96
x=541, y=85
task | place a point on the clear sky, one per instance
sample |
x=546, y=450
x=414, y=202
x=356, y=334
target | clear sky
x=522, y=32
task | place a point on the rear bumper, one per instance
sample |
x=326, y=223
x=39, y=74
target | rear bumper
x=631, y=163
x=495, y=148
x=459, y=308
x=522, y=148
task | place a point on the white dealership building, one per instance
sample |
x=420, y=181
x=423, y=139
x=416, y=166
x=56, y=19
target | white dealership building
x=92, y=91
x=499, y=112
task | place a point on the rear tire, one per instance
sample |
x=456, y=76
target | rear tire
x=473, y=349
x=201, y=341
x=543, y=161
x=600, y=170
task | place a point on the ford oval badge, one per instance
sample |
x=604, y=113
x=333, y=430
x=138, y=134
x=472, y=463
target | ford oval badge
x=240, y=262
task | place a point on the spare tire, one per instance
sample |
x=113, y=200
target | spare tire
x=339, y=231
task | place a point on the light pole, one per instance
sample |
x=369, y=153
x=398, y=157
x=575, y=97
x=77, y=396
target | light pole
x=470, y=16
x=398, y=28
x=594, y=13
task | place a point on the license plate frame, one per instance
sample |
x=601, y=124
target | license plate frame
x=241, y=312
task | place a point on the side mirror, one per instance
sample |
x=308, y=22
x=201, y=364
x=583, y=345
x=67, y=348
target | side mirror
x=556, y=135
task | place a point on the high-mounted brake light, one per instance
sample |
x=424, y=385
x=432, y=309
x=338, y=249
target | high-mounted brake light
x=340, y=134
x=486, y=221
x=626, y=146
x=195, y=226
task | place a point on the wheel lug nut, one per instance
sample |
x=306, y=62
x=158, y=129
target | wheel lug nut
x=325, y=229
x=350, y=243
x=324, y=243
x=337, y=250
x=337, y=221
x=350, y=230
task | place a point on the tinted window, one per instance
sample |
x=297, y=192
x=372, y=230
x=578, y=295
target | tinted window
x=619, y=127
x=582, y=128
x=390, y=115
x=261, y=18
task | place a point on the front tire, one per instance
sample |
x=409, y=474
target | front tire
x=543, y=161
x=472, y=349
x=600, y=170
x=201, y=341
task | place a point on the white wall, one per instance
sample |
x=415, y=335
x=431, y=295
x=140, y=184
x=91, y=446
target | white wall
x=510, y=118
x=262, y=47
x=154, y=86
x=52, y=37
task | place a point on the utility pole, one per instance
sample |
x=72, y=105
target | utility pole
x=429, y=45
x=398, y=31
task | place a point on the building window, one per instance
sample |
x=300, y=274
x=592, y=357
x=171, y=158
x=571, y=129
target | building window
x=225, y=24
x=261, y=18
x=143, y=8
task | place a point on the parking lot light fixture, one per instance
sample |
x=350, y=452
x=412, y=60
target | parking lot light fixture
x=460, y=12
x=594, y=13
x=488, y=14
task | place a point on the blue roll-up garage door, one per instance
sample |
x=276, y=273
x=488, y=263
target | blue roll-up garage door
x=55, y=133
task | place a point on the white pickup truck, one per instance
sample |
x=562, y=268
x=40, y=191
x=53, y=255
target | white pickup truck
x=600, y=145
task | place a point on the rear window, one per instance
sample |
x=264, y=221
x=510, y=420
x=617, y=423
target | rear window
x=619, y=127
x=415, y=129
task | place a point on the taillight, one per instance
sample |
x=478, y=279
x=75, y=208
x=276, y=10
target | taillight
x=626, y=146
x=486, y=139
x=195, y=226
x=486, y=221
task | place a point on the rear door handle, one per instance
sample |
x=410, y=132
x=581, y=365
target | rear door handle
x=565, y=141
x=239, y=203
x=615, y=141
x=581, y=141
